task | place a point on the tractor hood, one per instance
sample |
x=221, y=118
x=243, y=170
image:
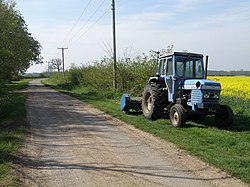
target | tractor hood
x=201, y=84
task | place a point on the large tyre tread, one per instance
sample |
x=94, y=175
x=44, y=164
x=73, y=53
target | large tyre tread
x=160, y=100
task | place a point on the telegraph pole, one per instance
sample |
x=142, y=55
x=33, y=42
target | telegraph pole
x=48, y=67
x=62, y=48
x=114, y=46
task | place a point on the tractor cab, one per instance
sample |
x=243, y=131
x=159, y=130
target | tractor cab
x=176, y=67
x=182, y=65
x=183, y=75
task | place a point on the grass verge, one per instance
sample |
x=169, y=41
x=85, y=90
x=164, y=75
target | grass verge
x=12, y=123
x=228, y=149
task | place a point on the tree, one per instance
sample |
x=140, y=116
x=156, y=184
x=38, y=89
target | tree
x=18, y=49
x=56, y=63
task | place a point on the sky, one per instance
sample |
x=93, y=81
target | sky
x=217, y=28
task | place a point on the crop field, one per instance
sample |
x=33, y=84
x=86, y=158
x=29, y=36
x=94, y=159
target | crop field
x=237, y=86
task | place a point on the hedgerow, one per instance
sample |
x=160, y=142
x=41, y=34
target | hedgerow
x=132, y=74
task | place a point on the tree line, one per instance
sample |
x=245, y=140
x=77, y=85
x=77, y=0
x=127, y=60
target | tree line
x=18, y=49
x=228, y=73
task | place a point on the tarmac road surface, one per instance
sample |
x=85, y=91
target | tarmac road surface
x=73, y=144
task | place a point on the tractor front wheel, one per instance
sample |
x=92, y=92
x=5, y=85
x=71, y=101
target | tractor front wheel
x=224, y=116
x=177, y=115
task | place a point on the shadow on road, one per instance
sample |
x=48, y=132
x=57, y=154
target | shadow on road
x=112, y=169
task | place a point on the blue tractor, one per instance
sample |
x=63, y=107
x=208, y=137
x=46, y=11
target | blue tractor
x=180, y=90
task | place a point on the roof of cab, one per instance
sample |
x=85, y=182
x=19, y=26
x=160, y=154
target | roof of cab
x=181, y=54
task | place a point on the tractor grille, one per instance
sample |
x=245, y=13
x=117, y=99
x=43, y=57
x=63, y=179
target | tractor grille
x=196, y=96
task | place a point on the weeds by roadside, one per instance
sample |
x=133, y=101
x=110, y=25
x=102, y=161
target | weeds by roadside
x=12, y=123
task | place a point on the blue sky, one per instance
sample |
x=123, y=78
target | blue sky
x=218, y=28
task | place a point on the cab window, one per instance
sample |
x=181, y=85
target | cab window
x=162, y=67
x=188, y=67
x=169, y=66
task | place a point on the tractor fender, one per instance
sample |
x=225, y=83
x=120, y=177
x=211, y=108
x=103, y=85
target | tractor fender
x=156, y=79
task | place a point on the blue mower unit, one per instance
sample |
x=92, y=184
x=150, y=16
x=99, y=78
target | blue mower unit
x=127, y=103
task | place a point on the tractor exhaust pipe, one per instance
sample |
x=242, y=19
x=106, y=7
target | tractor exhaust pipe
x=206, y=66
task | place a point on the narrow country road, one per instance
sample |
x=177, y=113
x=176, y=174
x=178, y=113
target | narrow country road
x=73, y=144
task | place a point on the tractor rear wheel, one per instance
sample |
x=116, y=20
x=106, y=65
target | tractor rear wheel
x=224, y=116
x=177, y=115
x=199, y=117
x=154, y=100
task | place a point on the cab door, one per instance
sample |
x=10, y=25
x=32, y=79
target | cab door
x=169, y=78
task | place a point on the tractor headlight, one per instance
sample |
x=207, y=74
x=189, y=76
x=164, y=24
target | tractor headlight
x=206, y=95
x=216, y=95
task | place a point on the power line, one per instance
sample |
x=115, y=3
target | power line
x=79, y=18
x=87, y=30
x=92, y=15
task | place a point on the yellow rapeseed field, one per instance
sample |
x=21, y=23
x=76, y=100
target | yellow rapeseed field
x=236, y=86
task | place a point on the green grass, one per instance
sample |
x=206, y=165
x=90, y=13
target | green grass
x=227, y=149
x=12, y=123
